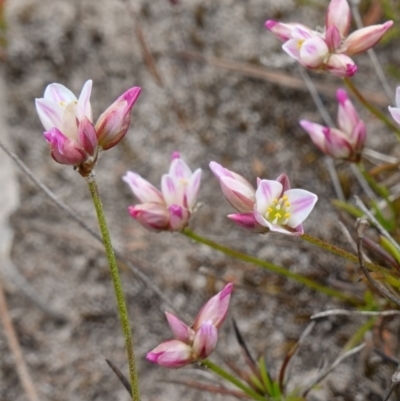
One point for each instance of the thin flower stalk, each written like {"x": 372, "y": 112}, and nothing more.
{"x": 122, "y": 309}
{"x": 371, "y": 108}
{"x": 232, "y": 379}
{"x": 278, "y": 269}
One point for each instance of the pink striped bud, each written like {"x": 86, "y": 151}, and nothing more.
{"x": 194, "y": 343}
{"x": 237, "y": 190}
{"x": 113, "y": 124}
{"x": 171, "y": 208}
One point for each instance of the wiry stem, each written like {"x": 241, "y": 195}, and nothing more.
{"x": 227, "y": 376}
{"x": 122, "y": 309}
{"x": 272, "y": 267}
{"x": 372, "y": 109}
{"x": 340, "y": 252}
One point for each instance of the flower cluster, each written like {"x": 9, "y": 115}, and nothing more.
{"x": 273, "y": 206}
{"x": 348, "y": 141}
{"x": 193, "y": 343}
{"x": 170, "y": 208}
{"x": 328, "y": 50}
{"x": 68, "y": 122}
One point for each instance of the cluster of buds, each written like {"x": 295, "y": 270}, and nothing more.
{"x": 348, "y": 141}
{"x": 273, "y": 206}
{"x": 69, "y": 128}
{"x": 169, "y": 209}
{"x": 195, "y": 343}
{"x": 328, "y": 50}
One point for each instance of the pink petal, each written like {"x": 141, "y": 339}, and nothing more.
{"x": 339, "y": 15}
{"x": 179, "y": 217}
{"x": 365, "y": 38}
{"x": 221, "y": 172}
{"x": 284, "y": 180}
{"x": 358, "y": 136}
{"x": 341, "y": 66}
{"x": 114, "y": 122}
{"x": 142, "y": 189}
{"x": 173, "y": 193}
{"x": 87, "y": 137}
{"x": 63, "y": 149}
{"x": 301, "y": 204}
{"x": 152, "y": 216}
{"x": 181, "y": 331}
{"x": 239, "y": 195}
{"x": 347, "y": 117}
{"x": 247, "y": 221}
{"x": 205, "y": 340}
{"x": 332, "y": 38}
{"x": 179, "y": 169}
{"x": 280, "y": 30}
{"x": 216, "y": 309}
{"x": 316, "y": 132}
{"x": 337, "y": 144}
{"x": 171, "y": 354}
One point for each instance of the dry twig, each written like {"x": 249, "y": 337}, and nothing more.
{"x": 15, "y": 348}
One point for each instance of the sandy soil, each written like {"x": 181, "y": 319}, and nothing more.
{"x": 207, "y": 113}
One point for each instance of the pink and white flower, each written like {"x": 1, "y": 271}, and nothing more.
{"x": 68, "y": 123}
{"x": 113, "y": 124}
{"x": 348, "y": 141}
{"x": 328, "y": 50}
{"x": 258, "y": 211}
{"x": 282, "y": 209}
{"x": 197, "y": 342}
{"x": 168, "y": 209}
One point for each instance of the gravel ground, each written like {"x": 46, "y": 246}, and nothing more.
{"x": 207, "y": 113}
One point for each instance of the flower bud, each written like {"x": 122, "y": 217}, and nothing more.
{"x": 113, "y": 124}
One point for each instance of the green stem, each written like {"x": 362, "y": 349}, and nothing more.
{"x": 372, "y": 109}
{"x": 227, "y": 376}
{"x": 122, "y": 309}
{"x": 341, "y": 252}
{"x": 274, "y": 268}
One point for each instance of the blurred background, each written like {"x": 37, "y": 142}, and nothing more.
{"x": 215, "y": 86}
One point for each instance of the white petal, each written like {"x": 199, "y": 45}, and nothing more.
{"x": 84, "y": 106}
{"x": 192, "y": 189}
{"x": 301, "y": 204}
{"x": 51, "y": 114}
{"x": 142, "y": 189}
{"x": 173, "y": 193}
{"x": 59, "y": 93}
{"x": 180, "y": 170}
{"x": 266, "y": 192}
